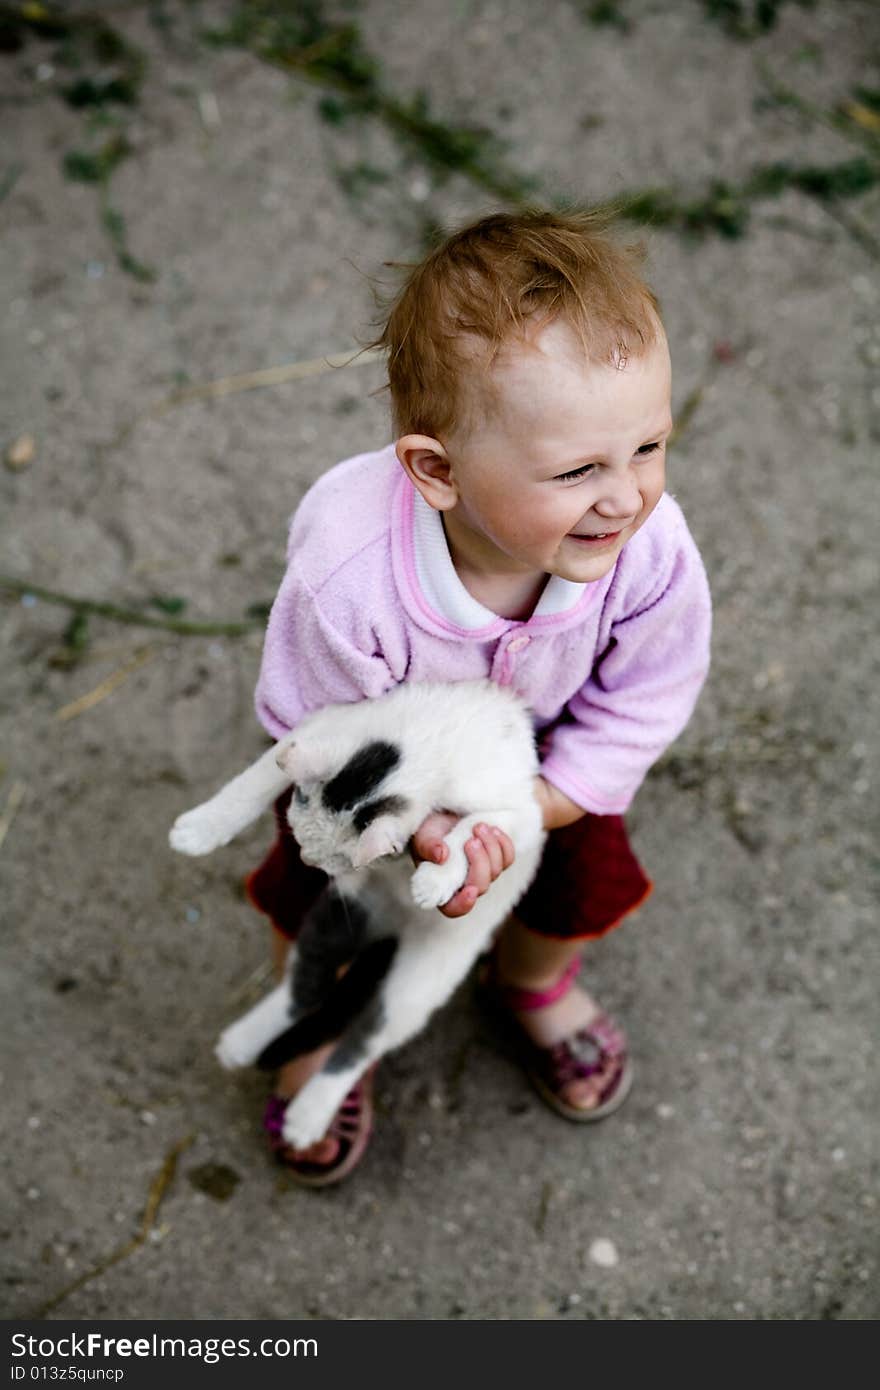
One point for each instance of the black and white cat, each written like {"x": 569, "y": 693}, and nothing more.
{"x": 364, "y": 777}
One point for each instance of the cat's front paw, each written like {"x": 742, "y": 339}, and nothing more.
{"x": 234, "y": 1050}
{"x": 197, "y": 832}
{"x": 432, "y": 885}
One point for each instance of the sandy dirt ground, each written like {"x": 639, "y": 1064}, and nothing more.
{"x": 221, "y": 210}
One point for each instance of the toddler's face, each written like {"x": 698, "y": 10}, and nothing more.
{"x": 568, "y": 465}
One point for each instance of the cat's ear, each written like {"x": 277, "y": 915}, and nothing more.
{"x": 385, "y": 835}
{"x": 304, "y": 760}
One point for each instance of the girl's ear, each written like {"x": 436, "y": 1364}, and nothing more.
{"x": 307, "y": 760}
{"x": 427, "y": 465}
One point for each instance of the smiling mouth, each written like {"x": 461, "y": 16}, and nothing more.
{"x": 603, "y": 538}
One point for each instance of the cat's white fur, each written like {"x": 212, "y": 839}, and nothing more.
{"x": 466, "y": 747}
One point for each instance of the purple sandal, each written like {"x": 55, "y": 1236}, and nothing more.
{"x": 351, "y": 1129}
{"x": 599, "y": 1048}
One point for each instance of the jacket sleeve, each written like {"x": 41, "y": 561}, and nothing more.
{"x": 312, "y": 657}
{"x": 641, "y": 691}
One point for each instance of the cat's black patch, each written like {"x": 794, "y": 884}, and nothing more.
{"x": 353, "y": 1044}
{"x": 361, "y": 776}
{"x": 332, "y": 933}
{"x": 351, "y": 1001}
{"x": 382, "y": 806}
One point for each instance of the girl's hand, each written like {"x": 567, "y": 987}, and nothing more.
{"x": 489, "y": 852}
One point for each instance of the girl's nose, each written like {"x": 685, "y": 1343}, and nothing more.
{"x": 620, "y": 497}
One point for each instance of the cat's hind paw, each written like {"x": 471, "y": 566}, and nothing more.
{"x": 305, "y": 1122}
{"x": 432, "y": 885}
{"x": 196, "y": 832}
{"x": 233, "y": 1050}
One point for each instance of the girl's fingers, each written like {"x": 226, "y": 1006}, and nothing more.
{"x": 427, "y": 842}
{"x": 461, "y": 903}
{"x": 499, "y": 847}
{"x": 493, "y": 848}
{"x": 480, "y": 871}
{"x": 508, "y": 852}
{"x": 489, "y": 852}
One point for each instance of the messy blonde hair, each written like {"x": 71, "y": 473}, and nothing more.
{"x": 496, "y": 281}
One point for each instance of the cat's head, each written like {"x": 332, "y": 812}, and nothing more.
{"x": 341, "y": 813}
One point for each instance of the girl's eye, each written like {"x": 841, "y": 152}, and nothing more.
{"x": 576, "y": 473}
{"x": 588, "y": 468}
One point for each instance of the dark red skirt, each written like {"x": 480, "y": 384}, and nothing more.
{"x": 588, "y": 881}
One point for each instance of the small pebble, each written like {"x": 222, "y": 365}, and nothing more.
{"x": 21, "y": 451}
{"x": 603, "y": 1252}
{"x": 192, "y": 914}
{"x": 209, "y": 111}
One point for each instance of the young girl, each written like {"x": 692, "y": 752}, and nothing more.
{"x": 517, "y": 529}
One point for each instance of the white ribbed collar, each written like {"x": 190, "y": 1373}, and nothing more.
{"x": 445, "y": 592}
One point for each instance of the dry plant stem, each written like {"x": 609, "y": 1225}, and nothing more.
{"x": 158, "y": 1188}
{"x": 106, "y": 687}
{"x": 686, "y": 413}
{"x": 787, "y": 96}
{"x": 13, "y": 801}
{"x": 269, "y": 376}
{"x": 243, "y": 381}
{"x": 128, "y": 615}
{"x": 867, "y": 239}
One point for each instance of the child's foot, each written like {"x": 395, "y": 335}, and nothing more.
{"x": 576, "y": 1056}
{"x": 334, "y": 1156}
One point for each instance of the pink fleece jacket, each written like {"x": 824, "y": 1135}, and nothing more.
{"x": 611, "y": 670}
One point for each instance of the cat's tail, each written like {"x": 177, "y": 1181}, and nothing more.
{"x": 348, "y": 998}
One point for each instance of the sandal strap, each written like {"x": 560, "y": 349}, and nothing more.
{"x": 594, "y": 1048}
{"x": 527, "y": 1000}
{"x": 273, "y": 1116}
{"x": 347, "y": 1120}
